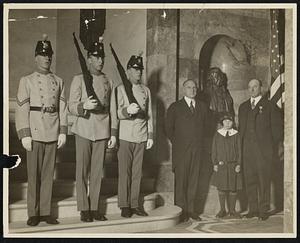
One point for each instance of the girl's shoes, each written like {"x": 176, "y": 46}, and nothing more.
{"x": 221, "y": 214}
{"x": 234, "y": 215}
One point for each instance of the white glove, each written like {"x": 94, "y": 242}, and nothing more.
{"x": 62, "y": 138}
{"x": 27, "y": 143}
{"x": 112, "y": 142}
{"x": 215, "y": 168}
{"x": 90, "y": 104}
{"x": 133, "y": 108}
{"x": 149, "y": 143}
{"x": 237, "y": 169}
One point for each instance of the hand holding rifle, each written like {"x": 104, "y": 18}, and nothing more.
{"x": 90, "y": 103}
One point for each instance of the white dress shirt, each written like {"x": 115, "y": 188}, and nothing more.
{"x": 256, "y": 100}
{"x": 189, "y": 100}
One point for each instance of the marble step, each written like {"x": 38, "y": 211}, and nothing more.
{"x": 160, "y": 218}
{"x": 66, "y": 188}
{"x": 67, "y": 207}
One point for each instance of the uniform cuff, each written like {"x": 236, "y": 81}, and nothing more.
{"x": 125, "y": 112}
{"x": 24, "y": 132}
{"x": 80, "y": 109}
{"x": 150, "y": 135}
{"x": 63, "y": 130}
{"x": 113, "y": 132}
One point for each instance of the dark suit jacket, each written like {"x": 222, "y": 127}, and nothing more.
{"x": 186, "y": 129}
{"x": 268, "y": 125}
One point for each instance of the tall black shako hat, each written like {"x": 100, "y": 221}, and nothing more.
{"x": 136, "y": 61}
{"x": 97, "y": 48}
{"x": 43, "y": 47}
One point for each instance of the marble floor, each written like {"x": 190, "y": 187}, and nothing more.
{"x": 210, "y": 224}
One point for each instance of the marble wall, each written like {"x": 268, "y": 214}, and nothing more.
{"x": 251, "y": 27}
{"x": 161, "y": 79}
{"x": 25, "y": 28}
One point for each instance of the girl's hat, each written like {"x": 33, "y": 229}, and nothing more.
{"x": 226, "y": 117}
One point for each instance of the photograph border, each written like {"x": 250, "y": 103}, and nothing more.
{"x": 289, "y": 121}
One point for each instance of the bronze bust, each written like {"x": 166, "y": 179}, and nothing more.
{"x": 219, "y": 98}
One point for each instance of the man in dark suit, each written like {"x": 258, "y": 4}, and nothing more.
{"x": 185, "y": 127}
{"x": 261, "y": 130}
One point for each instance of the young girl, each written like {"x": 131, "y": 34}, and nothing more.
{"x": 226, "y": 158}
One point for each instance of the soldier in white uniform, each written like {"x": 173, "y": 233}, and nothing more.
{"x": 41, "y": 123}
{"x": 95, "y": 127}
{"x": 135, "y": 135}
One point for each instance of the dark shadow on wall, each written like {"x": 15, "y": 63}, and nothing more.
{"x": 161, "y": 150}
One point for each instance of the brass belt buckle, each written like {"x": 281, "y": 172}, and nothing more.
{"x": 51, "y": 109}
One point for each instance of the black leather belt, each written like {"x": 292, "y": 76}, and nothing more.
{"x": 49, "y": 109}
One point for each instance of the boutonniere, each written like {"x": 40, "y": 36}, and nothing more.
{"x": 260, "y": 109}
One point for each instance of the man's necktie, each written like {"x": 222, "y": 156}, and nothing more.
{"x": 192, "y": 108}
{"x": 227, "y": 134}
{"x": 253, "y": 104}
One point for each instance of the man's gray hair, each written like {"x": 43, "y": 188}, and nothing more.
{"x": 189, "y": 79}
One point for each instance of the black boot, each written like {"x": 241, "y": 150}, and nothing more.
{"x": 232, "y": 203}
{"x": 222, "y": 197}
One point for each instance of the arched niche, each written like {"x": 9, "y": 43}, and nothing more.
{"x": 233, "y": 58}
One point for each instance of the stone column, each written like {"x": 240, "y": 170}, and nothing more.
{"x": 161, "y": 79}
{"x": 289, "y": 130}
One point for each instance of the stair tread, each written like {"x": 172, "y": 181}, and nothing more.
{"x": 160, "y": 213}
{"x": 72, "y": 200}
{"x": 69, "y": 181}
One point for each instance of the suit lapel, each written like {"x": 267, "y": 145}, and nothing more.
{"x": 260, "y": 103}
{"x": 244, "y": 116}
{"x": 197, "y": 108}
{"x": 185, "y": 107}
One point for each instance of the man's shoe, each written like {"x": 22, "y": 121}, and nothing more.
{"x": 195, "y": 216}
{"x": 221, "y": 214}
{"x": 125, "y": 212}
{"x": 184, "y": 217}
{"x": 33, "y": 221}
{"x": 50, "y": 220}
{"x": 98, "y": 216}
{"x": 85, "y": 216}
{"x": 250, "y": 215}
{"x": 138, "y": 212}
{"x": 234, "y": 215}
{"x": 263, "y": 216}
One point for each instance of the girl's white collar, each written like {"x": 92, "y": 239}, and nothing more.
{"x": 231, "y": 131}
